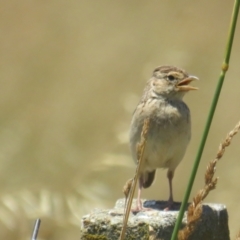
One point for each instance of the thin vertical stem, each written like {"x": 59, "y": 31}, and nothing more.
{"x": 210, "y": 117}
{"x": 35, "y": 229}
{"x": 140, "y": 155}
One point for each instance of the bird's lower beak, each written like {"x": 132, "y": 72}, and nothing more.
{"x": 183, "y": 85}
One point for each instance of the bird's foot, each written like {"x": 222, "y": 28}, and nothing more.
{"x": 169, "y": 206}
{"x": 139, "y": 207}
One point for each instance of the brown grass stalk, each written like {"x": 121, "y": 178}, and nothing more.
{"x": 130, "y": 186}
{"x": 195, "y": 208}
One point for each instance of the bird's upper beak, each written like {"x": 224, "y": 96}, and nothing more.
{"x": 183, "y": 85}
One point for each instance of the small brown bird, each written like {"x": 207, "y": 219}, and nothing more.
{"x": 170, "y": 125}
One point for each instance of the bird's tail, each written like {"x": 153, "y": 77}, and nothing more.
{"x": 148, "y": 178}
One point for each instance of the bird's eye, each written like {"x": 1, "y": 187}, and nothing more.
{"x": 171, "y": 77}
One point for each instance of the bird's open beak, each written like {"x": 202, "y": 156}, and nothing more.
{"x": 183, "y": 85}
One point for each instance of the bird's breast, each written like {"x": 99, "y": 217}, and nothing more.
{"x": 168, "y": 135}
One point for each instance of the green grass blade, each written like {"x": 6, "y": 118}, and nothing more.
{"x": 210, "y": 117}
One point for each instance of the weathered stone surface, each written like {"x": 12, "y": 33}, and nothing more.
{"x": 153, "y": 224}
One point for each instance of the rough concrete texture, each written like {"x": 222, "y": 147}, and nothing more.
{"x": 153, "y": 224}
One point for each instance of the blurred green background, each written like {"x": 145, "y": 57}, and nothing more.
{"x": 71, "y": 75}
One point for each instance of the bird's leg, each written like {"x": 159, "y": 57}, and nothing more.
{"x": 170, "y": 175}
{"x": 140, "y": 187}
{"x": 139, "y": 206}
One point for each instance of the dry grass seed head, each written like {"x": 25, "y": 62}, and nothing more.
{"x": 127, "y": 187}
{"x": 141, "y": 144}
{"x": 195, "y": 208}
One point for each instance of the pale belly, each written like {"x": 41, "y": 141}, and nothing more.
{"x": 165, "y": 148}
{"x": 167, "y": 137}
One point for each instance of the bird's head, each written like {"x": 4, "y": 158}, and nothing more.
{"x": 171, "y": 82}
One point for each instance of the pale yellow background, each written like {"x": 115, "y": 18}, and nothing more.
{"x": 71, "y": 74}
